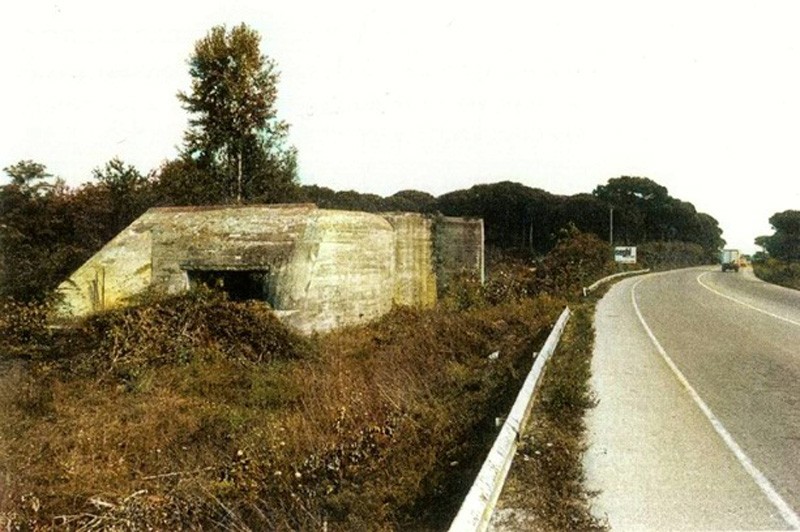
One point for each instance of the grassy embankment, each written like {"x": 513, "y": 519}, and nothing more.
{"x": 196, "y": 412}
{"x": 545, "y": 490}
{"x": 778, "y": 272}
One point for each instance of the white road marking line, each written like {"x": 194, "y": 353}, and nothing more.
{"x": 739, "y": 301}
{"x": 791, "y": 518}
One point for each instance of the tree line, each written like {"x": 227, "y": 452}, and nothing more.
{"x": 48, "y": 229}
{"x": 235, "y": 150}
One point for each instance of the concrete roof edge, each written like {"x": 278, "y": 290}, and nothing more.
{"x": 201, "y": 208}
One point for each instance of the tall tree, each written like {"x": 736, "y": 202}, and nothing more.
{"x": 234, "y": 130}
{"x": 784, "y": 244}
{"x": 511, "y": 212}
{"x": 636, "y": 202}
{"x": 28, "y": 175}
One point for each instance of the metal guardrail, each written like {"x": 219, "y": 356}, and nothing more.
{"x": 589, "y": 289}
{"x": 478, "y": 506}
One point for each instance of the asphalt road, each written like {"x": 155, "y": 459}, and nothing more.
{"x": 697, "y": 373}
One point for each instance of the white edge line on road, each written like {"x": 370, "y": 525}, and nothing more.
{"x": 739, "y": 301}
{"x": 763, "y": 483}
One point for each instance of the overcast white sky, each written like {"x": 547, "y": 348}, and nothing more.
{"x": 702, "y": 96}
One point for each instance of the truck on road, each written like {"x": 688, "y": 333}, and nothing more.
{"x": 729, "y": 259}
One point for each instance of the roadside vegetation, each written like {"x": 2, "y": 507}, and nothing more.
{"x": 545, "y": 490}
{"x": 778, "y": 272}
{"x": 195, "y": 412}
{"x": 780, "y": 262}
{"x": 660, "y": 256}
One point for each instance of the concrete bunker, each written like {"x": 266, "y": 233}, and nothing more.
{"x": 317, "y": 268}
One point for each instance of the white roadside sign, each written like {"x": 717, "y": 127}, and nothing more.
{"x": 625, "y": 254}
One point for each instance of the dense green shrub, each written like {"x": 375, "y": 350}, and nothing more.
{"x": 671, "y": 255}
{"x": 577, "y": 260}
{"x": 175, "y": 329}
{"x": 778, "y": 272}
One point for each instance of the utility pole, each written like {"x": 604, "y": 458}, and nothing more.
{"x": 239, "y": 177}
{"x": 611, "y": 226}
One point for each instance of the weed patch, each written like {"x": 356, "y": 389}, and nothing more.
{"x": 197, "y": 412}
{"x": 544, "y": 490}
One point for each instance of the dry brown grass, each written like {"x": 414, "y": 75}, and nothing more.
{"x": 545, "y": 488}
{"x": 196, "y": 412}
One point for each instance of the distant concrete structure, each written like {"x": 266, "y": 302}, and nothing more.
{"x": 318, "y": 269}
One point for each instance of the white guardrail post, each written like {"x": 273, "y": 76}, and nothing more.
{"x": 478, "y": 506}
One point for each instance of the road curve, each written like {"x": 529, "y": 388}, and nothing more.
{"x": 697, "y": 374}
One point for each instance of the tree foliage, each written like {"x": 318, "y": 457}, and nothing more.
{"x": 235, "y": 137}
{"x": 128, "y": 191}
{"x": 784, "y": 243}
{"x": 24, "y": 173}
{"x": 511, "y": 211}
{"x": 411, "y": 201}
{"x": 528, "y": 220}
{"x": 47, "y": 229}
{"x": 645, "y": 212}
{"x": 33, "y": 225}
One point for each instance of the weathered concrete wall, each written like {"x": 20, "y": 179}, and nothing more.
{"x": 223, "y": 238}
{"x": 458, "y": 248}
{"x": 341, "y": 272}
{"x": 121, "y": 269}
{"x": 319, "y": 269}
{"x": 414, "y": 275}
